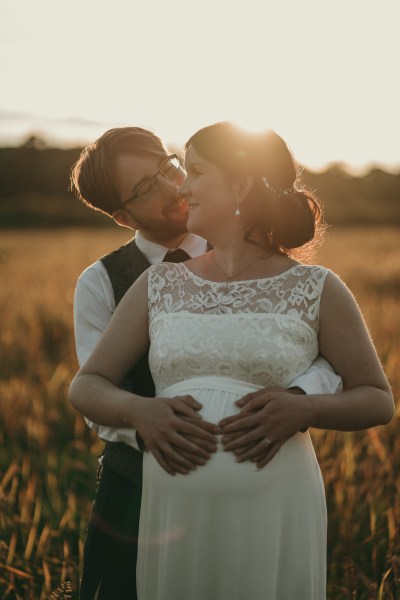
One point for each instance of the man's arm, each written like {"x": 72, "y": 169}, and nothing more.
{"x": 171, "y": 428}
{"x": 94, "y": 305}
{"x": 319, "y": 379}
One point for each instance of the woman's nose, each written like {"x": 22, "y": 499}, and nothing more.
{"x": 184, "y": 188}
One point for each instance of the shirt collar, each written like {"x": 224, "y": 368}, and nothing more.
{"x": 193, "y": 244}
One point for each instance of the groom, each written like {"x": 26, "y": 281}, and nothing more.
{"x": 129, "y": 175}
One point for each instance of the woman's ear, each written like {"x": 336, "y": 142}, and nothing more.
{"x": 242, "y": 187}
{"x": 125, "y": 219}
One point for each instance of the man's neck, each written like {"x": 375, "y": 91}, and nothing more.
{"x": 173, "y": 242}
{"x": 155, "y": 252}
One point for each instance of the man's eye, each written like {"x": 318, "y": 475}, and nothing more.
{"x": 168, "y": 170}
{"x": 147, "y": 187}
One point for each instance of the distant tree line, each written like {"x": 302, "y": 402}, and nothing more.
{"x": 34, "y": 182}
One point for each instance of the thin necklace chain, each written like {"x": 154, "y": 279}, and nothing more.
{"x": 230, "y": 277}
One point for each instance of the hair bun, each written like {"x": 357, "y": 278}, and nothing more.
{"x": 295, "y": 217}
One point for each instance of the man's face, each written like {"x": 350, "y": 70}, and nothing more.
{"x": 162, "y": 217}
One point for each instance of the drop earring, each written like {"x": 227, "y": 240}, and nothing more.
{"x": 237, "y": 211}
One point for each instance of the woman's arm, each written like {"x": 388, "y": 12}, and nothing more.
{"x": 122, "y": 344}
{"x": 169, "y": 427}
{"x": 366, "y": 400}
{"x": 345, "y": 342}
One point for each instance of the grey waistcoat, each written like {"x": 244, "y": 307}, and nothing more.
{"x": 123, "y": 267}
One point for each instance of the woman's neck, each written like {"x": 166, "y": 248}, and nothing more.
{"x": 235, "y": 257}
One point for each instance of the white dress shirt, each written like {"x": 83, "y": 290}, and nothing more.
{"x": 94, "y": 305}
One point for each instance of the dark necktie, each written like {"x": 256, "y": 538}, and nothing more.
{"x": 176, "y": 256}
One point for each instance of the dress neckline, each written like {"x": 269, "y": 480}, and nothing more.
{"x": 241, "y": 281}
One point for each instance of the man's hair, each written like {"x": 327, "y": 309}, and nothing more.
{"x": 93, "y": 175}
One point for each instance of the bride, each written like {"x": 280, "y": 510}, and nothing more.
{"x": 251, "y": 522}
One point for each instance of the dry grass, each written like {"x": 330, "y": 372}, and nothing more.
{"x": 48, "y": 457}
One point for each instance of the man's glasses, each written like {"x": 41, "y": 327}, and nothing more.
{"x": 169, "y": 170}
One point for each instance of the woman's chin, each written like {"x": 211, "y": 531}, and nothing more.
{"x": 193, "y": 223}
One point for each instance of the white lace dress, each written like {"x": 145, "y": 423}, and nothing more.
{"x": 228, "y": 531}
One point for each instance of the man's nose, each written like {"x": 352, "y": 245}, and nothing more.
{"x": 170, "y": 188}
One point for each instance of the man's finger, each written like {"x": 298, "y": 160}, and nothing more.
{"x": 210, "y": 447}
{"x": 173, "y": 453}
{"x": 199, "y": 422}
{"x": 162, "y": 462}
{"x": 190, "y": 429}
{"x": 184, "y": 442}
{"x": 195, "y": 459}
{"x": 172, "y": 466}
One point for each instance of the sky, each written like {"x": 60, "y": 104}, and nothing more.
{"x": 323, "y": 74}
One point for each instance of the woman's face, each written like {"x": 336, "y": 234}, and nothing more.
{"x": 209, "y": 192}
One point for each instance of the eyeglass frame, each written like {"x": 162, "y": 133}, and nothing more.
{"x": 153, "y": 177}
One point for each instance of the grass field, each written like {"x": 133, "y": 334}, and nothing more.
{"x": 48, "y": 457}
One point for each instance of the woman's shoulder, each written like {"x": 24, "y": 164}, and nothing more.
{"x": 164, "y": 275}
{"x": 308, "y": 271}
{"x": 163, "y": 268}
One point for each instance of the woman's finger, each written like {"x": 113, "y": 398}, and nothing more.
{"x": 246, "y": 399}
{"x": 246, "y": 422}
{"x": 272, "y": 452}
{"x": 185, "y": 405}
{"x": 256, "y": 451}
{"x": 240, "y": 443}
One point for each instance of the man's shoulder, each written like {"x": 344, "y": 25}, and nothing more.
{"x": 123, "y": 267}
{"x": 127, "y": 260}
{"x": 129, "y": 249}
{"x": 121, "y": 257}
{"x": 93, "y": 278}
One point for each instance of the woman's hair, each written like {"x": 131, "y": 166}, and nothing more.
{"x": 277, "y": 205}
{"x": 92, "y": 176}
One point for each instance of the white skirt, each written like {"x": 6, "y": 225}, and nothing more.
{"x": 229, "y": 531}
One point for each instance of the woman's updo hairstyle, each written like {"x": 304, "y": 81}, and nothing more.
{"x": 277, "y": 204}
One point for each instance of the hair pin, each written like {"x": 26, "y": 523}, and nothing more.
{"x": 275, "y": 191}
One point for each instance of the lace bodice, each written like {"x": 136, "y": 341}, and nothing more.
{"x": 261, "y": 331}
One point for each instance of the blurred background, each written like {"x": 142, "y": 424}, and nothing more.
{"x": 324, "y": 75}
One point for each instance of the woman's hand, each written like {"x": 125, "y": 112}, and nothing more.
{"x": 175, "y": 433}
{"x": 268, "y": 418}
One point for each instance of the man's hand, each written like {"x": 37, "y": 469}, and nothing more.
{"x": 176, "y": 434}
{"x": 268, "y": 418}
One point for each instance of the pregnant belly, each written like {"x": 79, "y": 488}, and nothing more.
{"x": 217, "y": 395}
{"x": 294, "y": 465}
